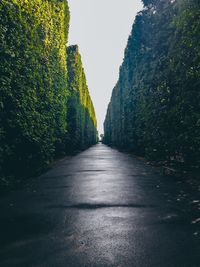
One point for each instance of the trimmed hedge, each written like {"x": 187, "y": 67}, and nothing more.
{"x": 34, "y": 90}
{"x": 82, "y": 129}
{"x": 154, "y": 110}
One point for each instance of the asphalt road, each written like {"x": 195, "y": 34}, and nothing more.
{"x": 101, "y": 208}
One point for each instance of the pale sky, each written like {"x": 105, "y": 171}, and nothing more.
{"x": 101, "y": 28}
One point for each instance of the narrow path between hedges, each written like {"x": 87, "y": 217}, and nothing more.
{"x": 101, "y": 207}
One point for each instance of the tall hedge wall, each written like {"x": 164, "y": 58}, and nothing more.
{"x": 154, "y": 109}
{"x": 34, "y": 85}
{"x": 82, "y": 129}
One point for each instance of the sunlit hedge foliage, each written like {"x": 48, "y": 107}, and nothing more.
{"x": 33, "y": 83}
{"x": 82, "y": 129}
{"x": 155, "y": 106}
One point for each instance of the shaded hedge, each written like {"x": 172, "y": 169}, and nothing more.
{"x": 154, "y": 109}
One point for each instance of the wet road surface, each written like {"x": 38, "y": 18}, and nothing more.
{"x": 101, "y": 208}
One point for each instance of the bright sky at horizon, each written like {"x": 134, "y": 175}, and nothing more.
{"x": 101, "y": 28}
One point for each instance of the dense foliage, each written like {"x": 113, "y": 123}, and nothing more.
{"x": 82, "y": 128}
{"x": 155, "y": 105}
{"x": 33, "y": 84}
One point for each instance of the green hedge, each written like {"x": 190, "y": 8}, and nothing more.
{"x": 154, "y": 109}
{"x": 34, "y": 85}
{"x": 82, "y": 128}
